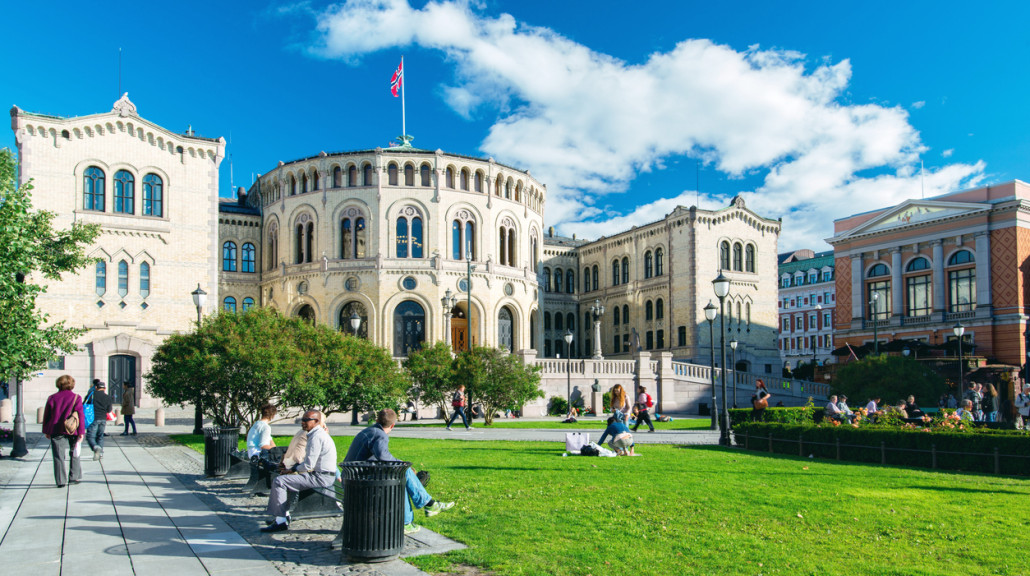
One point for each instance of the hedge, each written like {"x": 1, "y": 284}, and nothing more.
{"x": 963, "y": 451}
{"x": 791, "y": 415}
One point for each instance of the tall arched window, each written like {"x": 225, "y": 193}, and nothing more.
{"x": 144, "y": 279}
{"x": 617, "y": 316}
{"x": 101, "y": 277}
{"x": 738, "y": 257}
{"x": 229, "y": 304}
{"x": 547, "y": 320}
{"x": 593, "y": 278}
{"x": 470, "y": 240}
{"x": 659, "y": 262}
{"x": 249, "y": 255}
{"x": 449, "y": 177}
{"x": 463, "y": 240}
{"x": 346, "y": 239}
{"x": 273, "y": 247}
{"x": 506, "y": 237}
{"x": 547, "y": 279}
{"x": 570, "y": 281}
{"x": 93, "y": 189}
{"x": 402, "y": 237}
{"x": 559, "y": 322}
{"x": 625, "y": 313}
{"x": 507, "y": 189}
{"x": 479, "y": 182}
{"x": 409, "y": 236}
{"x": 961, "y": 282}
{"x": 360, "y": 238}
{"x": 456, "y": 244}
{"x": 123, "y": 278}
{"x": 749, "y": 258}
{"x": 409, "y": 328}
{"x": 918, "y": 288}
{"x": 229, "y": 256}
{"x": 648, "y": 311}
{"x": 416, "y": 237}
{"x": 424, "y": 176}
{"x": 648, "y": 264}
{"x": 464, "y": 180}
{"x": 724, "y": 255}
{"x": 586, "y": 279}
{"x": 124, "y": 192}
{"x": 557, "y": 280}
{"x": 366, "y": 176}
{"x": 304, "y": 239}
{"x": 409, "y": 175}
{"x": 391, "y": 174}
{"x": 352, "y": 235}
{"x": 615, "y": 272}
{"x": 625, "y": 270}
{"x": 352, "y": 175}
{"x": 878, "y": 292}
{"x": 153, "y": 195}
{"x": 348, "y": 310}
{"x": 303, "y": 183}
{"x": 659, "y": 309}
{"x": 293, "y": 185}
{"x": 316, "y": 178}
{"x": 248, "y": 303}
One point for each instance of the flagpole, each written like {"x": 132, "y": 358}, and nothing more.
{"x": 404, "y": 127}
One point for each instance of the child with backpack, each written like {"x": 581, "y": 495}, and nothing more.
{"x": 644, "y": 403}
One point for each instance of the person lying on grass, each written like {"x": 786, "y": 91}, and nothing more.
{"x": 622, "y": 440}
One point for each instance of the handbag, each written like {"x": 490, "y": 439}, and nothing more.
{"x": 575, "y": 441}
{"x": 71, "y": 423}
{"x": 87, "y": 409}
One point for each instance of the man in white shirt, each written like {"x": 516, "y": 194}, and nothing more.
{"x": 260, "y": 435}
{"x": 833, "y": 412}
{"x": 318, "y": 470}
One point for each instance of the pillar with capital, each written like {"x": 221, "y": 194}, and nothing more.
{"x": 596, "y": 312}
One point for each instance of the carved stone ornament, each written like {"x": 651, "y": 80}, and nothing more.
{"x": 302, "y": 287}
{"x": 124, "y": 107}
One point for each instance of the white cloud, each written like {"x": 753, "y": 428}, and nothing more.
{"x": 919, "y": 104}
{"x": 587, "y": 123}
{"x": 947, "y": 153}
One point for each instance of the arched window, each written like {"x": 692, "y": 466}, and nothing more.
{"x": 229, "y": 304}
{"x": 724, "y": 255}
{"x": 409, "y": 328}
{"x": 586, "y": 279}
{"x": 625, "y": 270}
{"x": 570, "y": 281}
{"x": 93, "y": 189}
{"x": 144, "y": 279}
{"x": 479, "y": 182}
{"x": 918, "y": 264}
{"x": 424, "y": 176}
{"x": 749, "y": 258}
{"x": 352, "y": 235}
{"x": 416, "y": 237}
{"x": 615, "y": 272}
{"x": 918, "y": 288}
{"x": 346, "y": 239}
{"x": 649, "y": 311}
{"x": 360, "y": 238}
{"x": 153, "y": 196}
{"x": 559, "y": 322}
{"x": 303, "y": 183}
{"x": 617, "y": 316}
{"x": 878, "y": 292}
{"x": 879, "y": 270}
{"x": 534, "y": 250}
{"x": 449, "y": 177}
{"x": 293, "y": 185}
{"x": 409, "y": 175}
{"x": 366, "y": 176}
{"x": 273, "y": 247}
{"x": 307, "y": 313}
{"x": 304, "y": 240}
{"x": 547, "y": 320}
{"x": 511, "y": 246}
{"x": 659, "y": 309}
{"x": 124, "y": 192}
{"x": 123, "y": 278}
{"x": 391, "y": 174}
{"x": 462, "y": 240}
{"x": 402, "y": 237}
{"x": 316, "y": 178}
{"x": 505, "y": 330}
{"x": 659, "y": 262}
{"x": 625, "y": 313}
{"x": 547, "y": 279}
{"x": 593, "y": 278}
{"x": 101, "y": 277}
{"x": 464, "y": 179}
{"x": 352, "y": 176}
{"x": 557, "y": 280}
{"x": 456, "y": 244}
{"x": 409, "y": 237}
{"x": 507, "y": 189}
{"x": 248, "y": 303}
{"x": 249, "y": 256}
{"x": 470, "y": 240}
{"x": 738, "y": 257}
{"x": 229, "y": 256}
{"x": 648, "y": 264}
{"x": 961, "y": 282}
{"x": 498, "y": 185}
{"x": 506, "y": 242}
{"x": 348, "y": 310}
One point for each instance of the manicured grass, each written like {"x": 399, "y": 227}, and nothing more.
{"x": 525, "y": 510}
{"x": 590, "y": 424}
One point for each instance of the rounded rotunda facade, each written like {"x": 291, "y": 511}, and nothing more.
{"x": 389, "y": 236}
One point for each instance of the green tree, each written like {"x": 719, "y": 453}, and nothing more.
{"x": 32, "y": 251}
{"x": 890, "y": 378}
{"x": 432, "y": 375}
{"x": 497, "y": 380}
{"x": 233, "y": 364}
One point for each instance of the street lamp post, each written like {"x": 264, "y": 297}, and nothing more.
{"x": 568, "y": 368}
{"x": 721, "y": 284}
{"x": 959, "y": 330}
{"x": 199, "y": 298}
{"x": 468, "y": 293}
{"x": 875, "y": 315}
{"x": 355, "y": 325}
{"x": 596, "y": 312}
{"x": 710, "y": 312}
{"x": 733, "y": 365}
{"x": 19, "y": 447}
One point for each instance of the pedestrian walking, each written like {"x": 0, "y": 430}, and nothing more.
{"x": 459, "y": 402}
{"x": 129, "y": 407}
{"x": 101, "y": 406}
{"x": 64, "y": 426}
{"x": 644, "y": 403}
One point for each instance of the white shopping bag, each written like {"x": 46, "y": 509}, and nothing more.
{"x": 575, "y": 441}
{"x": 77, "y": 450}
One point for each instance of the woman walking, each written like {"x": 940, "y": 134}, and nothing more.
{"x": 64, "y": 425}
{"x": 759, "y": 401}
{"x": 129, "y": 407}
{"x": 459, "y": 401}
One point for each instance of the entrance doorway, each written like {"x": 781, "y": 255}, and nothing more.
{"x": 121, "y": 369}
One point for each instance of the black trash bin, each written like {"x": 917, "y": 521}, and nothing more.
{"x": 373, "y": 510}
{"x": 702, "y": 409}
{"x": 218, "y": 443}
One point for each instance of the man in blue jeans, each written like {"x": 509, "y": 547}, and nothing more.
{"x": 373, "y": 444}
{"x": 101, "y": 406}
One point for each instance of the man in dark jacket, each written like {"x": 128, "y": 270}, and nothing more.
{"x": 373, "y": 444}
{"x": 101, "y": 406}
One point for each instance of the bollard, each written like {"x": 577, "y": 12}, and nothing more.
{"x": 39, "y": 415}
{"x": 159, "y": 417}
{"x": 6, "y": 413}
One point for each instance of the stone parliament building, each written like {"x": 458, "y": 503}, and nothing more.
{"x": 417, "y": 245}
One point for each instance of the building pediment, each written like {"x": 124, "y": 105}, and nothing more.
{"x": 913, "y": 213}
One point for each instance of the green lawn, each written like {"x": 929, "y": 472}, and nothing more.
{"x": 590, "y": 424}
{"x": 523, "y": 509}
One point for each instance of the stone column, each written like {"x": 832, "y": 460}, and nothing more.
{"x": 857, "y": 294}
{"x": 897, "y": 285}
{"x": 938, "y": 278}
{"x": 597, "y": 340}
{"x": 983, "y": 270}
{"x": 447, "y": 327}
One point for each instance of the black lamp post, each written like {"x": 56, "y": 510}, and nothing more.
{"x": 199, "y": 298}
{"x": 721, "y": 284}
{"x": 568, "y": 368}
{"x": 959, "y": 330}
{"x": 355, "y": 325}
{"x": 710, "y": 312}
{"x": 733, "y": 367}
{"x": 876, "y": 317}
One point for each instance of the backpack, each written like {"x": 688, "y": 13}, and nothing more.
{"x": 650, "y": 402}
{"x": 589, "y": 450}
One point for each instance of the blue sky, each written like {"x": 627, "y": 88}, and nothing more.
{"x": 812, "y": 111}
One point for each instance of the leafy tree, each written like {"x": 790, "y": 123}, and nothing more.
{"x": 233, "y": 364}
{"x": 889, "y": 377}
{"x": 432, "y": 375}
{"x": 30, "y": 249}
{"x": 497, "y": 380}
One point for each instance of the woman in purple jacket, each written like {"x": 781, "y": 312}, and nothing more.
{"x": 59, "y": 407}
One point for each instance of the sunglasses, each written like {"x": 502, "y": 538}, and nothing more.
{"x": 309, "y": 419}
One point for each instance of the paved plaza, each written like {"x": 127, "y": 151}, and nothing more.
{"x": 146, "y": 508}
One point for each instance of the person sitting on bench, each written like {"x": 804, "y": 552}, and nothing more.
{"x": 317, "y": 470}
{"x": 373, "y": 444}
{"x": 259, "y": 438}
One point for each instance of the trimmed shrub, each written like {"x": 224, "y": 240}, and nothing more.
{"x": 558, "y": 406}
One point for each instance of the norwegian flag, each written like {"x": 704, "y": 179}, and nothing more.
{"x": 397, "y": 80}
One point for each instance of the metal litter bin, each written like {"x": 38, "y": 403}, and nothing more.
{"x": 702, "y": 409}
{"x": 373, "y": 510}
{"x": 218, "y": 443}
